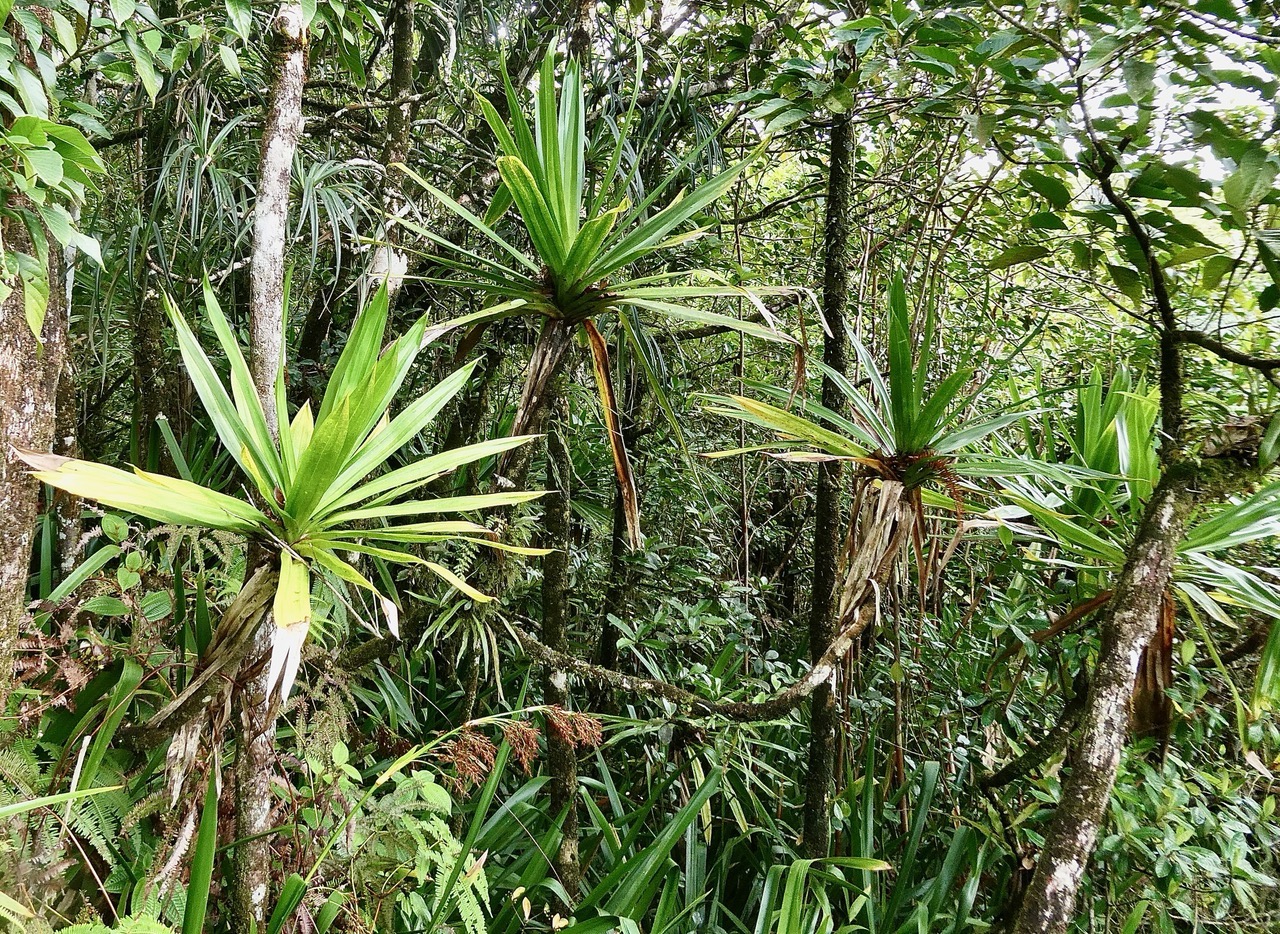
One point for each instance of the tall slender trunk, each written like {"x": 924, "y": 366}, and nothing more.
{"x": 280, "y": 134}
{"x": 30, "y": 370}
{"x": 255, "y": 723}
{"x": 562, "y": 759}
{"x": 826, "y": 538}
{"x": 154, "y": 378}
{"x": 619, "y": 583}
{"x": 1128, "y": 624}
{"x": 67, "y": 508}
{"x": 615, "y": 590}
{"x": 536, "y": 396}
{"x": 581, "y": 29}
{"x": 389, "y": 261}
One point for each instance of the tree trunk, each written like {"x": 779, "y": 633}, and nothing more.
{"x": 280, "y": 134}
{"x": 1127, "y": 625}
{"x": 536, "y": 397}
{"x": 562, "y": 759}
{"x": 155, "y": 379}
{"x": 256, "y": 709}
{"x": 615, "y": 592}
{"x": 826, "y": 538}
{"x": 151, "y": 383}
{"x": 67, "y": 508}
{"x": 619, "y": 584}
{"x": 254, "y": 768}
{"x": 30, "y": 370}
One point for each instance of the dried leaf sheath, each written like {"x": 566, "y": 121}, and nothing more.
{"x": 1151, "y": 713}
{"x": 617, "y": 441}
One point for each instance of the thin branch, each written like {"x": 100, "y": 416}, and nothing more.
{"x": 1055, "y": 740}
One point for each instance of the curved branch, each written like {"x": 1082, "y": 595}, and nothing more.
{"x": 1056, "y": 739}
{"x": 781, "y": 702}
{"x": 1269, "y": 367}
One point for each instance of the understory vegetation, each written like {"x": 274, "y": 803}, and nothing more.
{"x": 736, "y": 468}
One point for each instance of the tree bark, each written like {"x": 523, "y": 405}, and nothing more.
{"x": 255, "y": 706}
{"x": 254, "y": 768}
{"x": 67, "y": 508}
{"x": 30, "y": 370}
{"x": 826, "y": 538}
{"x": 155, "y": 380}
{"x": 1128, "y": 624}
{"x": 536, "y": 396}
{"x": 280, "y": 134}
{"x": 562, "y": 758}
{"x": 619, "y": 583}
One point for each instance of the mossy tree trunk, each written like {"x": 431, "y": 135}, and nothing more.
{"x": 827, "y": 526}
{"x": 1128, "y": 623}
{"x": 562, "y": 759}
{"x": 30, "y": 370}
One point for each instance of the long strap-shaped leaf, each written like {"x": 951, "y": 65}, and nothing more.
{"x": 403, "y": 428}
{"x": 231, "y": 430}
{"x": 163, "y": 499}
{"x": 633, "y": 245}
{"x": 473, "y": 220}
{"x": 248, "y": 405}
{"x": 545, "y": 229}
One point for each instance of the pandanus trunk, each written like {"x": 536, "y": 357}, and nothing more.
{"x": 826, "y": 538}
{"x": 873, "y": 547}
{"x": 1128, "y": 625}
{"x": 256, "y": 712}
{"x": 878, "y": 533}
{"x": 536, "y": 396}
{"x": 562, "y": 759}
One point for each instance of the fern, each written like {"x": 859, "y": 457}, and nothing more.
{"x": 209, "y": 548}
{"x": 406, "y": 837}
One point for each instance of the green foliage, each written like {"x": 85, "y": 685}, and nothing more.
{"x": 571, "y": 275}
{"x": 1112, "y": 440}
{"x": 48, "y": 162}
{"x": 309, "y": 479}
{"x": 904, "y": 428}
{"x": 405, "y": 841}
{"x": 1002, "y": 301}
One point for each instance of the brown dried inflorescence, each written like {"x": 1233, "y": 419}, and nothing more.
{"x": 471, "y": 754}
{"x": 580, "y": 729}
{"x": 522, "y": 737}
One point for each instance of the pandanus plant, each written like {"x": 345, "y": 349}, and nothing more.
{"x": 1090, "y": 516}
{"x": 906, "y": 434}
{"x": 313, "y": 502}
{"x": 584, "y": 234}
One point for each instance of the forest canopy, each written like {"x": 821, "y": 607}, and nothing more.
{"x": 777, "y": 467}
